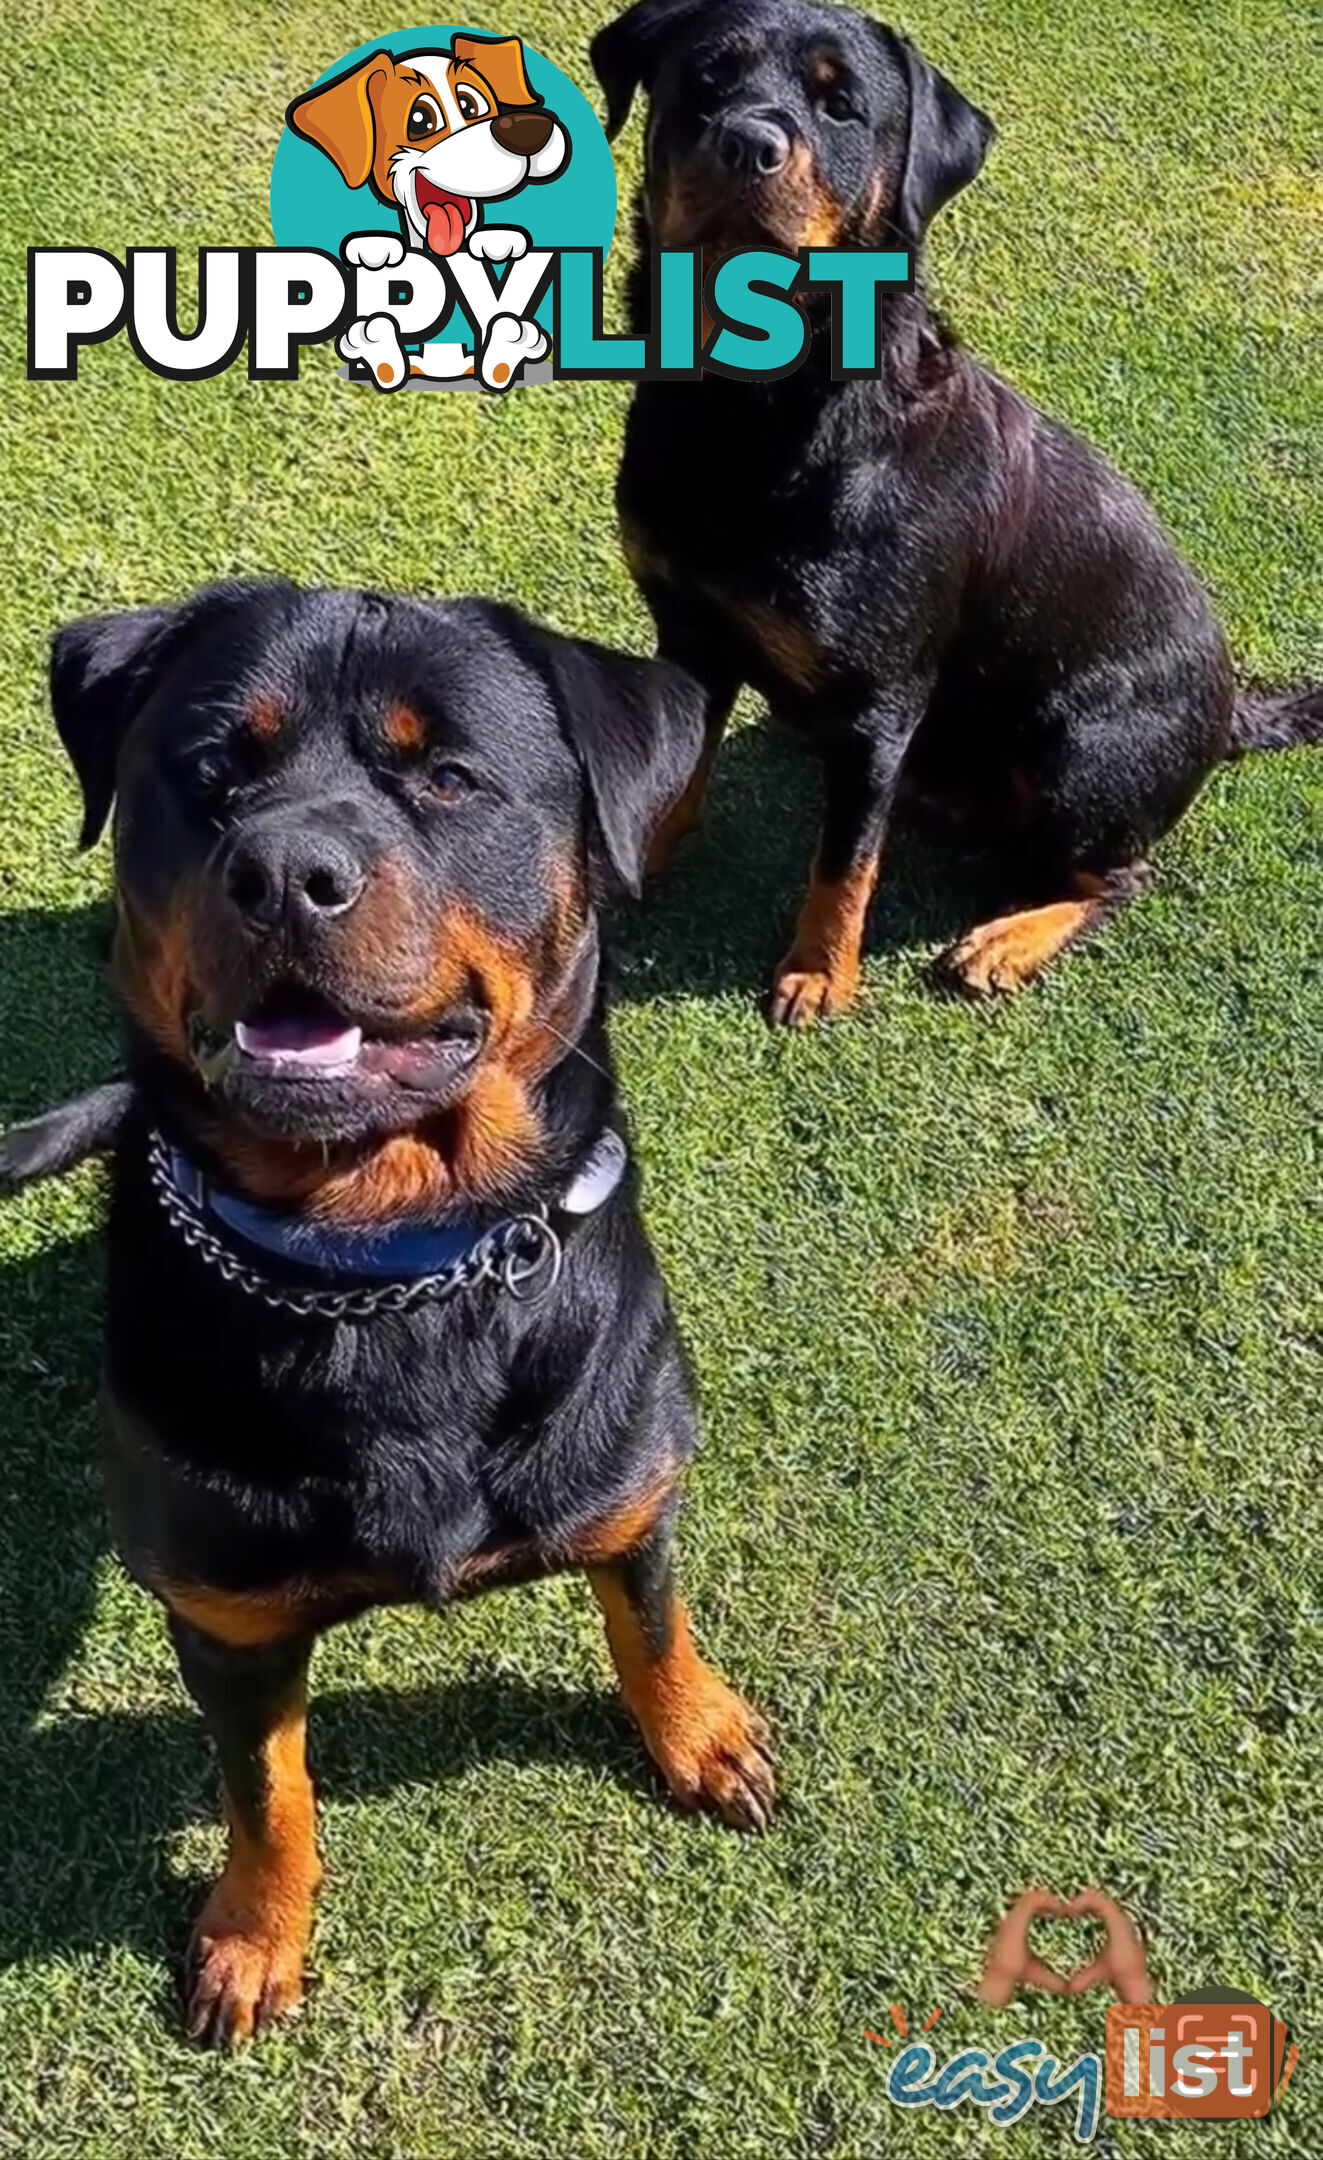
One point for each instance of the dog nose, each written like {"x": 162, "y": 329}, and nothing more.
{"x": 523, "y": 133}
{"x": 308, "y": 875}
{"x": 753, "y": 146}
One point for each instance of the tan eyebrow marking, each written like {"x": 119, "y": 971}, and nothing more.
{"x": 265, "y": 717}
{"x": 403, "y": 728}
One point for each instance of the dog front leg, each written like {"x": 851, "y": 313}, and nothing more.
{"x": 691, "y": 639}
{"x": 60, "y": 1139}
{"x": 820, "y": 973}
{"x": 712, "y": 1749}
{"x": 248, "y": 1949}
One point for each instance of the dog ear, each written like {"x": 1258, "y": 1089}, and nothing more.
{"x": 340, "y": 120}
{"x": 104, "y": 668}
{"x": 101, "y": 670}
{"x": 626, "y": 53}
{"x": 636, "y": 727}
{"x": 500, "y": 62}
{"x": 948, "y": 141}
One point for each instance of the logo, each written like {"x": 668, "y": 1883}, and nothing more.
{"x": 1005, "y": 2085}
{"x": 445, "y": 170}
{"x": 1218, "y": 2056}
{"x": 443, "y": 201}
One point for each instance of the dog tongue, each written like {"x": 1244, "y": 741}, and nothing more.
{"x": 299, "y": 1042}
{"x": 445, "y": 227}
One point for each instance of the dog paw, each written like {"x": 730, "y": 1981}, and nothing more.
{"x": 498, "y": 243}
{"x": 715, "y": 1752}
{"x": 510, "y": 343}
{"x": 985, "y": 964}
{"x": 373, "y": 251}
{"x": 240, "y": 1978}
{"x": 375, "y": 344}
{"x": 804, "y": 993}
{"x": 1006, "y": 954}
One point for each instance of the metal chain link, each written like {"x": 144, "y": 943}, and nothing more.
{"x": 524, "y": 1255}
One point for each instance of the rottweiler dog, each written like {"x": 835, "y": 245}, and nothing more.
{"x": 383, "y": 1322}
{"x": 950, "y": 595}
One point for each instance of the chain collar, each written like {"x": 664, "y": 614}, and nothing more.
{"x": 524, "y": 1255}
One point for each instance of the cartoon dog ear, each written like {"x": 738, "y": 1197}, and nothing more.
{"x": 948, "y": 141}
{"x": 637, "y": 729}
{"x": 500, "y": 62}
{"x": 625, "y": 55}
{"x": 340, "y": 120}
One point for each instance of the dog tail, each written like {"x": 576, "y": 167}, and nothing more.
{"x": 1276, "y": 720}
{"x": 61, "y": 1139}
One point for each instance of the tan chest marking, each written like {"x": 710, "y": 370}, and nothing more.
{"x": 787, "y": 648}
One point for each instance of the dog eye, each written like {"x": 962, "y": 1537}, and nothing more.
{"x": 211, "y": 774}
{"x": 719, "y": 70}
{"x": 450, "y": 783}
{"x": 838, "y": 106}
{"x": 472, "y": 105}
{"x": 424, "y": 118}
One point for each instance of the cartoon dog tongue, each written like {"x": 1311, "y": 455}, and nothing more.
{"x": 445, "y": 225}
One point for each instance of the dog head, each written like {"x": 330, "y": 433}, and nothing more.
{"x": 436, "y": 134}
{"x": 359, "y": 844}
{"x": 781, "y": 123}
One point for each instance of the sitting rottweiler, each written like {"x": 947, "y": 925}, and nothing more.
{"x": 950, "y": 595}
{"x": 383, "y": 1320}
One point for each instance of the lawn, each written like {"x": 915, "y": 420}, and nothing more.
{"x": 1009, "y": 1510}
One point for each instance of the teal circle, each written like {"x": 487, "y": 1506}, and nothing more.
{"x": 312, "y": 207}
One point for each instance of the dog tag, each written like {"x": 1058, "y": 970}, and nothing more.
{"x": 599, "y": 1177}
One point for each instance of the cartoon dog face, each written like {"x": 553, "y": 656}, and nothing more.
{"x": 436, "y": 134}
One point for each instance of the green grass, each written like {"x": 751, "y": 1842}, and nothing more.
{"x": 1009, "y": 1508}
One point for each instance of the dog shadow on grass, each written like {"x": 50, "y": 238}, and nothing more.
{"x": 57, "y": 1036}
{"x": 722, "y": 914}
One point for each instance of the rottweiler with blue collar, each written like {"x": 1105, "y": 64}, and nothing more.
{"x": 953, "y": 598}
{"x": 383, "y": 1321}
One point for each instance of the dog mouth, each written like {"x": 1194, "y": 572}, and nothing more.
{"x": 445, "y": 216}
{"x": 294, "y": 1043}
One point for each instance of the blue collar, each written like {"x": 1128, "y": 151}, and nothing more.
{"x": 394, "y": 1252}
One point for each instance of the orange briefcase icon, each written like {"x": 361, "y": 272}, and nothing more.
{"x": 1215, "y": 2057}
